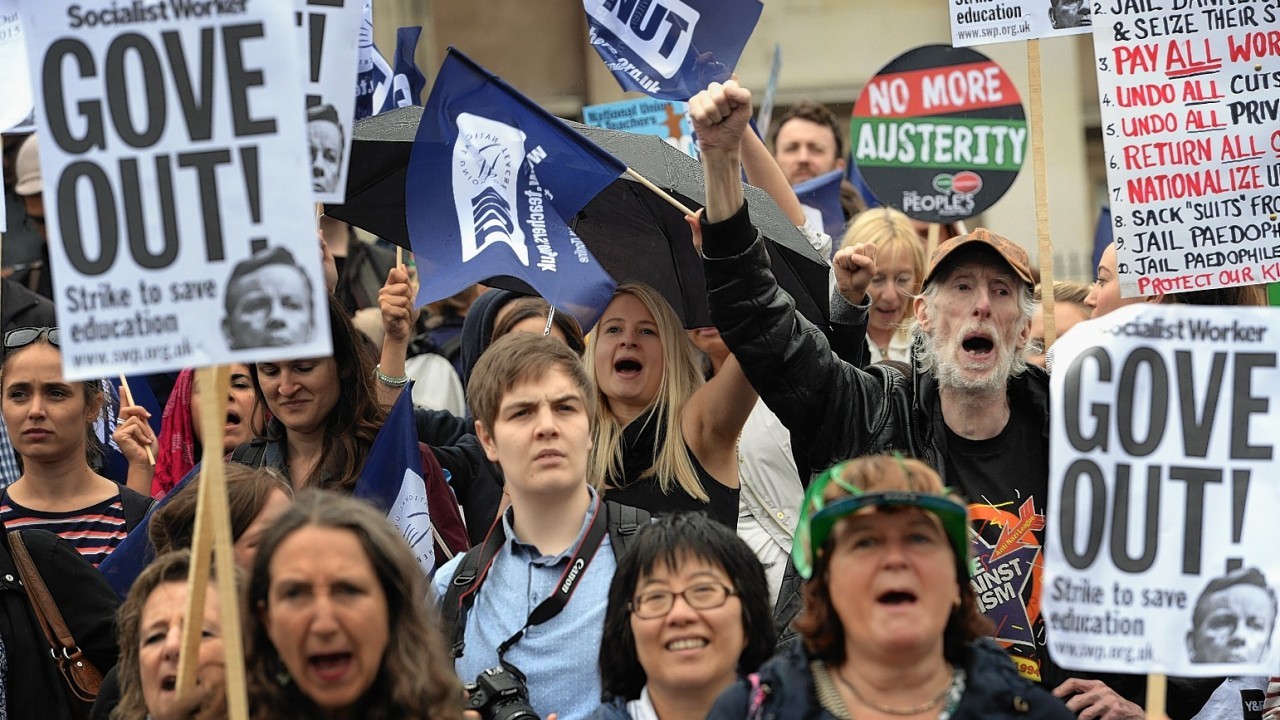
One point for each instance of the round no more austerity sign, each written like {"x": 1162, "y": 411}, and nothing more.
{"x": 939, "y": 133}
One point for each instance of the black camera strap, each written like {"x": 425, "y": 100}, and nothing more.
{"x": 569, "y": 581}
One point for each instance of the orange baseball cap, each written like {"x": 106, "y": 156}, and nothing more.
{"x": 1009, "y": 251}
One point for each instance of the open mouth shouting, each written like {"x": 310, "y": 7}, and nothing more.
{"x": 897, "y": 598}
{"x": 627, "y": 368}
{"x": 978, "y": 346}
{"x": 330, "y": 667}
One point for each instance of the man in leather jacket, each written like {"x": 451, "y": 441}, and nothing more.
{"x": 971, "y": 407}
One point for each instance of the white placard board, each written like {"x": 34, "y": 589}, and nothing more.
{"x": 982, "y": 22}
{"x": 1164, "y": 491}
{"x": 15, "y": 85}
{"x": 173, "y": 154}
{"x": 1190, "y": 101}
{"x": 329, "y": 35}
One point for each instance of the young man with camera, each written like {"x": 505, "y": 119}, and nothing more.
{"x": 524, "y": 611}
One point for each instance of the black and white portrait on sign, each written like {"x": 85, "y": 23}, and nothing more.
{"x": 269, "y": 302}
{"x": 1233, "y": 619}
{"x": 1069, "y": 14}
{"x": 327, "y": 142}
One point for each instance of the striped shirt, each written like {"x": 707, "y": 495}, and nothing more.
{"x": 94, "y": 531}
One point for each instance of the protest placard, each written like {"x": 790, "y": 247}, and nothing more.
{"x": 673, "y": 49}
{"x": 173, "y": 155}
{"x": 329, "y": 30}
{"x": 1160, "y": 555}
{"x": 939, "y": 133}
{"x": 982, "y": 22}
{"x": 666, "y": 119}
{"x": 15, "y": 86}
{"x": 1191, "y": 127}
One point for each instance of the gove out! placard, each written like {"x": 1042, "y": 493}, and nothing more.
{"x": 939, "y": 133}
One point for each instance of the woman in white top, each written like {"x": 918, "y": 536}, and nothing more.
{"x": 900, "y": 265}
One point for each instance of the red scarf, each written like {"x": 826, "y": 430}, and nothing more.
{"x": 177, "y": 439}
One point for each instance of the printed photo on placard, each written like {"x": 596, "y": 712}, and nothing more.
{"x": 329, "y": 33}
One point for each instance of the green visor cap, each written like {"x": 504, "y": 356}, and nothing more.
{"x": 817, "y": 517}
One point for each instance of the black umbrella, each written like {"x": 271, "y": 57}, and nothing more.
{"x": 634, "y": 234}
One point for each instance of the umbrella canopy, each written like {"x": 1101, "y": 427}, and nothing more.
{"x": 634, "y": 234}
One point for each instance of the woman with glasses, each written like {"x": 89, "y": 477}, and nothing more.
{"x": 890, "y": 626}
{"x": 50, "y": 422}
{"x": 688, "y": 614}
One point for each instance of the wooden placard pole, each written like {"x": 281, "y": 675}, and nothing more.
{"x": 212, "y": 543}
{"x": 660, "y": 192}
{"x": 1156, "y": 689}
{"x": 932, "y": 238}
{"x": 128, "y": 400}
{"x": 1035, "y": 103}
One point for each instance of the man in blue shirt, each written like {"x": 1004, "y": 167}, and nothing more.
{"x": 532, "y": 401}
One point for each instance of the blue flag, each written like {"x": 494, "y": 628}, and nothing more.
{"x": 392, "y": 480}
{"x": 135, "y": 552}
{"x": 855, "y": 179}
{"x": 408, "y": 81}
{"x": 379, "y": 88}
{"x": 820, "y": 196}
{"x": 1101, "y": 236}
{"x": 670, "y": 49}
{"x": 491, "y": 180}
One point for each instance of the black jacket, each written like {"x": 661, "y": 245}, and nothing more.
{"x": 834, "y": 410}
{"x": 24, "y": 308}
{"x": 33, "y": 685}
{"x": 993, "y": 689}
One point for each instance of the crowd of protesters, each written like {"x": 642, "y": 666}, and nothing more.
{"x": 636, "y": 520}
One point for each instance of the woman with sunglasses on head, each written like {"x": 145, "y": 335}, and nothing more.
{"x": 688, "y": 615}
{"x": 50, "y": 421}
{"x": 890, "y": 626}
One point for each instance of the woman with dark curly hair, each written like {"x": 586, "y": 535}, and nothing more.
{"x": 688, "y": 614}
{"x": 890, "y": 627}
{"x": 339, "y": 623}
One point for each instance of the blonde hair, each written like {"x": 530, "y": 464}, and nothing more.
{"x": 681, "y": 377}
{"x": 1066, "y": 291}
{"x": 891, "y": 232}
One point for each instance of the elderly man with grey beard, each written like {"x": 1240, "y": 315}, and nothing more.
{"x": 969, "y": 405}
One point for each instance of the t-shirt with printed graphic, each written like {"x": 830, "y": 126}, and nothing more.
{"x": 1006, "y": 479}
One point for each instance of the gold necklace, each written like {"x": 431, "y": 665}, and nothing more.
{"x": 915, "y": 710}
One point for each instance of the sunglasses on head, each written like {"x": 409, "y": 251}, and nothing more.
{"x": 23, "y": 337}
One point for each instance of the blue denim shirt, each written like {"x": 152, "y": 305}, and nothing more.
{"x": 559, "y": 657}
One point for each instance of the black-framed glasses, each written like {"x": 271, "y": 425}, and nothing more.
{"x": 22, "y": 337}
{"x": 703, "y": 596}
